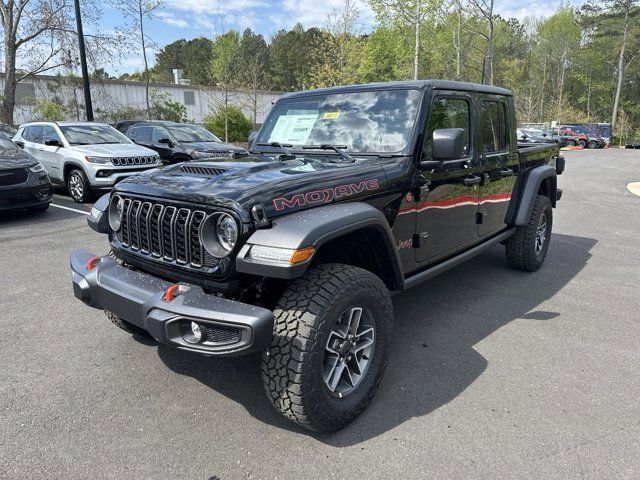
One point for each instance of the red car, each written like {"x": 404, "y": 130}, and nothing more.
{"x": 576, "y": 137}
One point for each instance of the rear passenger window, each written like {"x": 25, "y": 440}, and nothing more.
{"x": 447, "y": 113}
{"x": 34, "y": 134}
{"x": 493, "y": 131}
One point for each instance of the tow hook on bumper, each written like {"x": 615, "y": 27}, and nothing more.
{"x": 166, "y": 310}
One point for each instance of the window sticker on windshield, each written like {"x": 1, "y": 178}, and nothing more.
{"x": 294, "y": 129}
{"x": 330, "y": 115}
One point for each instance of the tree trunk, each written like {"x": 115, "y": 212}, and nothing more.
{"x": 457, "y": 41}
{"x": 144, "y": 56}
{"x": 416, "y": 50}
{"x": 9, "y": 95}
{"x": 616, "y": 101}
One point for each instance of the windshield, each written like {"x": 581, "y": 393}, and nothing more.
{"x": 376, "y": 121}
{"x": 192, "y": 133}
{"x": 92, "y": 134}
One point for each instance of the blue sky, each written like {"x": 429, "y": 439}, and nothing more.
{"x": 193, "y": 18}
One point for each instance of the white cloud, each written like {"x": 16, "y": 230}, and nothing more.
{"x": 314, "y": 13}
{"x": 213, "y": 6}
{"x": 170, "y": 19}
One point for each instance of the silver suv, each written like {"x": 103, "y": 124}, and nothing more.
{"x": 84, "y": 156}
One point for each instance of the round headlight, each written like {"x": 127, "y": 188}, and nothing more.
{"x": 219, "y": 234}
{"x": 116, "y": 210}
{"x": 227, "y": 231}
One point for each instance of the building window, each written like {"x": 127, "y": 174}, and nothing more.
{"x": 189, "y": 98}
{"x": 25, "y": 94}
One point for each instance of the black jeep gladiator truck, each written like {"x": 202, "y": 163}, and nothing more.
{"x": 350, "y": 194}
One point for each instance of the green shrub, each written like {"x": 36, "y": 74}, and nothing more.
{"x": 49, "y": 111}
{"x": 163, "y": 108}
{"x": 239, "y": 125}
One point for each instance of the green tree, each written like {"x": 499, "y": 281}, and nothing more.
{"x": 225, "y": 68}
{"x": 163, "y": 108}
{"x": 232, "y": 123}
{"x": 253, "y": 56}
{"x": 382, "y": 57}
{"x": 193, "y": 57}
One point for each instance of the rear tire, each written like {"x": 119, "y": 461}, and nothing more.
{"x": 315, "y": 372}
{"x": 527, "y": 248}
{"x": 126, "y": 326}
{"x": 582, "y": 143}
{"x": 79, "y": 187}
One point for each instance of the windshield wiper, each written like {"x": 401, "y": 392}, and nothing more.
{"x": 336, "y": 148}
{"x": 282, "y": 146}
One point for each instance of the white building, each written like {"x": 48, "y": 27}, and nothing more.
{"x": 111, "y": 97}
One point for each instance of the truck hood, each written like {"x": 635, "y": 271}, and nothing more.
{"x": 113, "y": 150}
{"x": 281, "y": 187}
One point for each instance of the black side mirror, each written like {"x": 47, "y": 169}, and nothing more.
{"x": 448, "y": 144}
{"x": 164, "y": 140}
{"x": 52, "y": 142}
{"x": 252, "y": 136}
{"x": 19, "y": 143}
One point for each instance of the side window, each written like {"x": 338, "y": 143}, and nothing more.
{"x": 143, "y": 134}
{"x": 158, "y": 133}
{"x": 35, "y": 134}
{"x": 493, "y": 131}
{"x": 447, "y": 113}
{"x": 25, "y": 134}
{"x": 49, "y": 133}
{"x": 132, "y": 133}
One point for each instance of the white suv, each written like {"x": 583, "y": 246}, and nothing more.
{"x": 84, "y": 156}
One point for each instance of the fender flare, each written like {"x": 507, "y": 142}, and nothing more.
{"x": 73, "y": 162}
{"x": 530, "y": 190}
{"x": 313, "y": 228}
{"x": 98, "y": 219}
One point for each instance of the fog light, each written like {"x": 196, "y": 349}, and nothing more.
{"x": 193, "y": 333}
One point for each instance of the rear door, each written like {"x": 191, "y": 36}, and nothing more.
{"x": 498, "y": 165}
{"x": 33, "y": 141}
{"x": 447, "y": 207}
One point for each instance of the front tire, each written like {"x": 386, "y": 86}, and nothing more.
{"x": 79, "y": 187}
{"x": 527, "y": 248}
{"x": 582, "y": 143}
{"x": 126, "y": 326}
{"x": 332, "y": 336}
{"x": 593, "y": 144}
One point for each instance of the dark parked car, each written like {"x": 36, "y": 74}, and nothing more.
{"x": 351, "y": 193}
{"x": 24, "y": 183}
{"x": 528, "y": 136}
{"x": 7, "y": 130}
{"x": 179, "y": 142}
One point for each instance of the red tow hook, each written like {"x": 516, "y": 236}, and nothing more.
{"x": 92, "y": 262}
{"x": 170, "y": 293}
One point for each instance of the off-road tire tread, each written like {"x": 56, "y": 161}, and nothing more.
{"x": 519, "y": 248}
{"x": 297, "y": 327}
{"x": 124, "y": 325}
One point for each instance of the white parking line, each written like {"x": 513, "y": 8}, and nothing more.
{"x": 70, "y": 209}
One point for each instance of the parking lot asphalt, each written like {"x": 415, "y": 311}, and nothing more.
{"x": 493, "y": 373}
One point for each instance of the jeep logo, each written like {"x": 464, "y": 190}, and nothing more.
{"x": 326, "y": 195}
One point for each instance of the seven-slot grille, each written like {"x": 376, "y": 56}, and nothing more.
{"x": 164, "y": 232}
{"x": 200, "y": 170}
{"x": 120, "y": 162}
{"x": 14, "y": 176}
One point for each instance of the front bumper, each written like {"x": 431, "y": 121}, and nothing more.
{"x": 30, "y": 194}
{"x": 139, "y": 298}
{"x": 102, "y": 177}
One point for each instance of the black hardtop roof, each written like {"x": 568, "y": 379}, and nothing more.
{"x": 417, "y": 84}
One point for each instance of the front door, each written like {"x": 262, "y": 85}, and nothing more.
{"x": 51, "y": 155}
{"x": 497, "y": 165}
{"x": 448, "y": 204}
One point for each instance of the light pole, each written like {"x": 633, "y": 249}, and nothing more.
{"x": 83, "y": 64}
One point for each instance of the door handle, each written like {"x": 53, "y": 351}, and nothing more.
{"x": 506, "y": 172}
{"x": 473, "y": 180}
